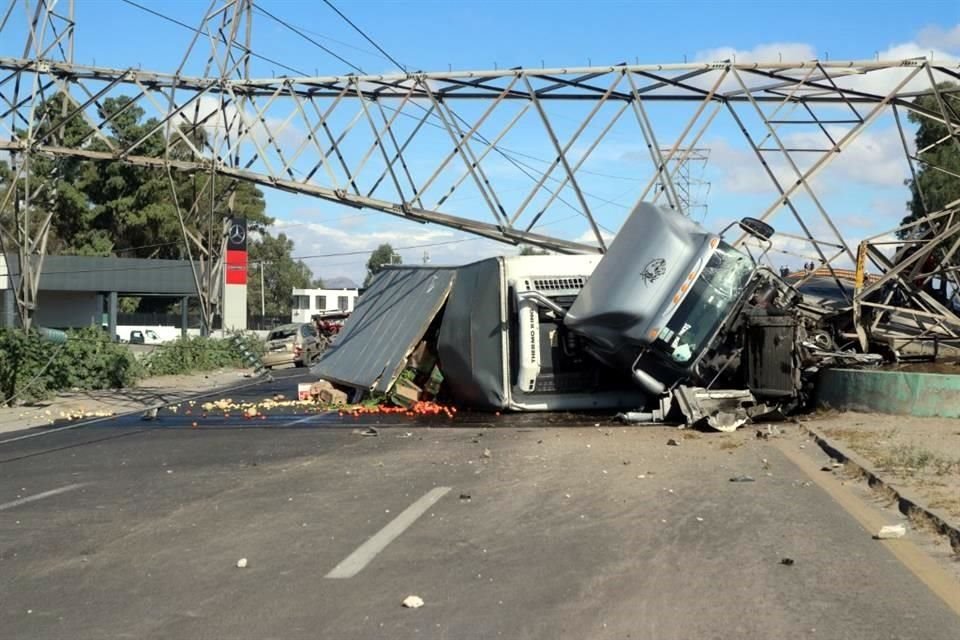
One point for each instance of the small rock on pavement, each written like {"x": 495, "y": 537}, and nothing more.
{"x": 242, "y": 563}
{"x": 672, "y": 443}
{"x": 787, "y": 562}
{"x": 486, "y": 454}
{"x": 413, "y": 602}
{"x": 891, "y": 532}
{"x": 741, "y": 479}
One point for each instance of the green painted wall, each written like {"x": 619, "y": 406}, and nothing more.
{"x": 895, "y": 392}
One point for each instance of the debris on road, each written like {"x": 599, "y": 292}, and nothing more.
{"x": 242, "y": 563}
{"x": 891, "y": 532}
{"x": 672, "y": 443}
{"x": 787, "y": 562}
{"x": 705, "y": 335}
{"x": 742, "y": 479}
{"x": 413, "y": 602}
{"x": 486, "y": 455}
{"x": 465, "y": 497}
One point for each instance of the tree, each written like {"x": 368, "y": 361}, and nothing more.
{"x": 934, "y": 188}
{"x": 382, "y": 256}
{"x": 113, "y": 208}
{"x": 529, "y": 250}
{"x": 281, "y": 274}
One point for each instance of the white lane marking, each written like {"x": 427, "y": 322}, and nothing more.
{"x": 41, "y": 496}
{"x": 356, "y": 561}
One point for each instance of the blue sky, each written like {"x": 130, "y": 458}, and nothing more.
{"x": 481, "y": 35}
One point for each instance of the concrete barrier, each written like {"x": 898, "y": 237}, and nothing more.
{"x": 893, "y": 392}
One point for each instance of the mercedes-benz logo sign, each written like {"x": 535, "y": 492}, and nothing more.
{"x": 237, "y": 233}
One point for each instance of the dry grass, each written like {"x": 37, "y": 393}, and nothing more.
{"x": 948, "y": 503}
{"x": 910, "y": 460}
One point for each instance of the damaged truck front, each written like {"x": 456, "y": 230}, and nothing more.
{"x": 670, "y": 312}
{"x": 678, "y": 305}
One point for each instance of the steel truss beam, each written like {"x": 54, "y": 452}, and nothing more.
{"x": 410, "y": 144}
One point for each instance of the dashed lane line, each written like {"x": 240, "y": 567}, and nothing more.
{"x": 356, "y": 561}
{"x": 41, "y": 496}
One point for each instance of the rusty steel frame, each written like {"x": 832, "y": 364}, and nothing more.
{"x": 334, "y": 112}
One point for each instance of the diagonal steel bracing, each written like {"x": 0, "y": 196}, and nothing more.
{"x": 513, "y": 155}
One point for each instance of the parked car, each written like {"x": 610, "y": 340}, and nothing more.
{"x": 295, "y": 344}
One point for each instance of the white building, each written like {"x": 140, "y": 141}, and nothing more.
{"x": 309, "y": 302}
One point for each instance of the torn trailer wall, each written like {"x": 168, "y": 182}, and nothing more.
{"x": 389, "y": 321}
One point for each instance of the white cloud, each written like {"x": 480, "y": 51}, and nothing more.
{"x": 874, "y": 158}
{"x": 589, "y": 237}
{"x": 444, "y": 247}
{"x": 939, "y": 37}
{"x": 772, "y": 52}
{"x": 934, "y": 42}
{"x": 883, "y": 81}
{"x": 228, "y": 120}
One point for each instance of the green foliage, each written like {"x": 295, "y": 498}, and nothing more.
{"x": 90, "y": 361}
{"x": 382, "y": 256}
{"x": 107, "y": 208}
{"x": 528, "y": 250}
{"x": 22, "y": 358}
{"x": 32, "y": 369}
{"x": 281, "y": 274}
{"x": 934, "y": 187}
{"x": 192, "y": 354}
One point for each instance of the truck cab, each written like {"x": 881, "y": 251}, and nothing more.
{"x": 660, "y": 296}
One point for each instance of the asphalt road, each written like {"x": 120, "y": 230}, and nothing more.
{"x": 130, "y": 529}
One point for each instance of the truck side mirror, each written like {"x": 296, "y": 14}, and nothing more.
{"x": 757, "y": 228}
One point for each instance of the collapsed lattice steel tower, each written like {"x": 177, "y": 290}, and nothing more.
{"x": 408, "y": 144}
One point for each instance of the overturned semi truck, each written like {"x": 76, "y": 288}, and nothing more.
{"x": 669, "y": 306}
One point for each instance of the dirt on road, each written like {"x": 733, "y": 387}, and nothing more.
{"x": 918, "y": 454}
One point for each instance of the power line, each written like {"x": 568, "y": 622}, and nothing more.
{"x": 219, "y": 38}
{"x": 189, "y": 265}
{"x": 507, "y": 154}
{"x": 306, "y": 37}
{"x": 368, "y": 38}
{"x": 503, "y": 151}
{"x": 344, "y": 44}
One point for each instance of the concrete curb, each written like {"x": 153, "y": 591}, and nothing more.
{"x": 35, "y": 432}
{"x": 908, "y": 504}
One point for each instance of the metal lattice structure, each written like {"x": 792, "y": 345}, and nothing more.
{"x": 409, "y": 144}
{"x": 909, "y": 299}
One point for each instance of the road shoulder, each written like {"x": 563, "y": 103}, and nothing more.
{"x": 912, "y": 462}
{"x": 83, "y": 405}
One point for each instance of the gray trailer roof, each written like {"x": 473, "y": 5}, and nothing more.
{"x": 390, "y": 318}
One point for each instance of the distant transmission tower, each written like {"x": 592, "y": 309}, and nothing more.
{"x": 688, "y": 168}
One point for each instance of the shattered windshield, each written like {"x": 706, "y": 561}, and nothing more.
{"x": 706, "y": 306}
